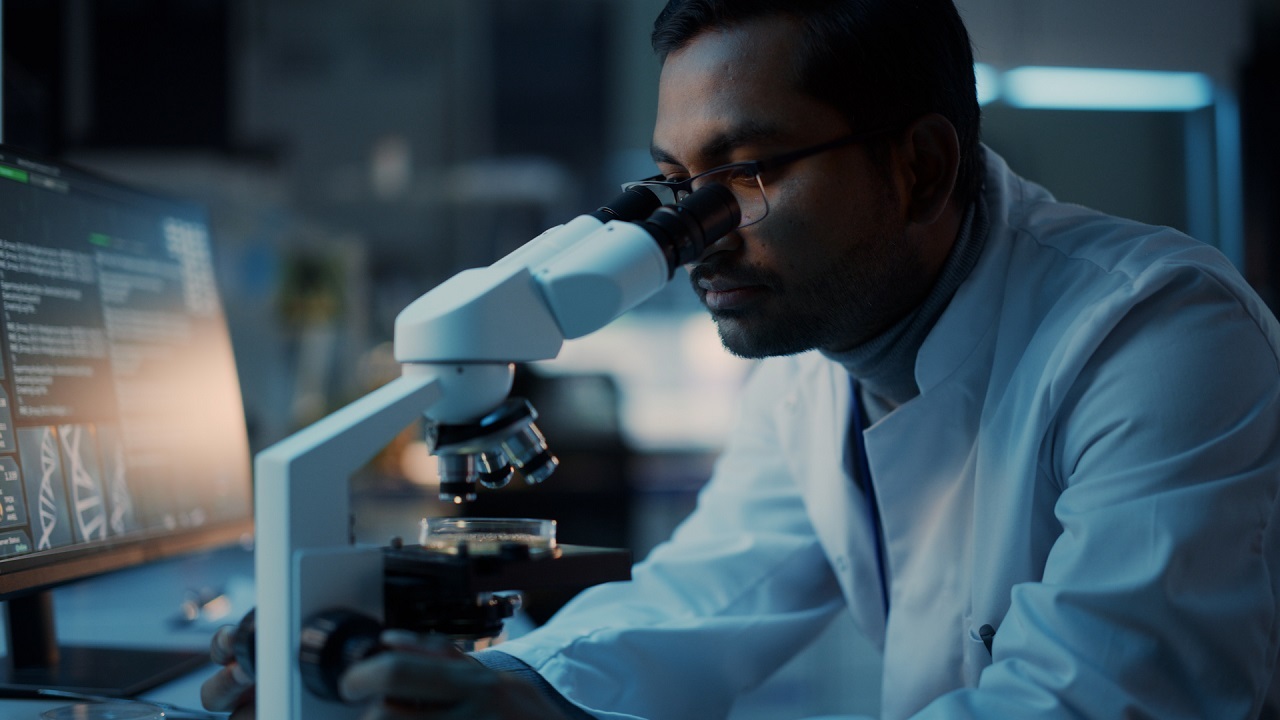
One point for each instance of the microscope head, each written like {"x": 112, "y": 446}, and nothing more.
{"x": 570, "y": 281}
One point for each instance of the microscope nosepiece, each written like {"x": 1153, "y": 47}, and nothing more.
{"x": 485, "y": 452}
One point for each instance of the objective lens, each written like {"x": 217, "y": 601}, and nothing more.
{"x": 528, "y": 451}
{"x": 493, "y": 469}
{"x": 540, "y": 467}
{"x": 458, "y": 477}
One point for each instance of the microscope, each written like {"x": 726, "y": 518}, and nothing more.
{"x": 321, "y": 599}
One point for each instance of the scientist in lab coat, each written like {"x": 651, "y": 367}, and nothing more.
{"x": 1032, "y": 450}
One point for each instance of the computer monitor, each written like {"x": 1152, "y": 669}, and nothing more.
{"x": 122, "y": 431}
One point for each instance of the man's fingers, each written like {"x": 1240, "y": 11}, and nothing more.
{"x": 416, "y": 685}
{"x": 226, "y": 689}
{"x": 222, "y": 646}
{"x": 414, "y": 676}
{"x": 382, "y": 711}
{"x": 429, "y": 643}
{"x": 245, "y": 713}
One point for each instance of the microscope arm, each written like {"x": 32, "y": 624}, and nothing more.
{"x": 302, "y": 510}
{"x": 301, "y": 503}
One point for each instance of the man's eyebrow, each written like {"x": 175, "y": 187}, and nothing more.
{"x": 720, "y": 146}
{"x": 661, "y": 156}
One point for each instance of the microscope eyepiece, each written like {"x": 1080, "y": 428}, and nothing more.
{"x": 633, "y": 204}
{"x": 685, "y": 229}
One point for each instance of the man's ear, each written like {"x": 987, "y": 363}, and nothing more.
{"x": 929, "y": 158}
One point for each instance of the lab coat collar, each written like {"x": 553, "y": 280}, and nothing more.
{"x": 974, "y": 308}
{"x": 837, "y": 508}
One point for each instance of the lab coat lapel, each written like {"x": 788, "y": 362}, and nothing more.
{"x": 925, "y": 494}
{"x": 813, "y": 423}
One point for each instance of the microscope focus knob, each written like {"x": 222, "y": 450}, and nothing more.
{"x": 244, "y": 644}
{"x": 331, "y": 642}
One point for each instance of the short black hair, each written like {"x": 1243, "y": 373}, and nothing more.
{"x": 881, "y": 63}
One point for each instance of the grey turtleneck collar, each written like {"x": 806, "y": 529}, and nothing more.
{"x": 885, "y": 365}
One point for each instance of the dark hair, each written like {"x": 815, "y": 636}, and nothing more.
{"x": 881, "y": 63}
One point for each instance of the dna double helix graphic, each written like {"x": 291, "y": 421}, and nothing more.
{"x": 48, "y": 504}
{"x": 121, "y": 501}
{"x": 87, "y": 499}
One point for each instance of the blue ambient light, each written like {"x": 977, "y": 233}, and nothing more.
{"x": 1095, "y": 89}
{"x": 988, "y": 81}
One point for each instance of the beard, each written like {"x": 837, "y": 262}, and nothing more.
{"x": 841, "y": 304}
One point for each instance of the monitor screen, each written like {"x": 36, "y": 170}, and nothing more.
{"x": 122, "y": 432}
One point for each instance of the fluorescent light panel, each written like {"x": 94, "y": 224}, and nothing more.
{"x": 988, "y": 80}
{"x": 1094, "y": 89}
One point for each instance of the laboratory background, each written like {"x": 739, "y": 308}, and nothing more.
{"x": 356, "y": 153}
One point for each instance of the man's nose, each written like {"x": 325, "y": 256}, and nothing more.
{"x": 726, "y": 243}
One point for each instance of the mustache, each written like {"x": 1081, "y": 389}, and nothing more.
{"x": 737, "y": 275}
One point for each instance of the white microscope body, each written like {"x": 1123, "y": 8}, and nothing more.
{"x": 457, "y": 345}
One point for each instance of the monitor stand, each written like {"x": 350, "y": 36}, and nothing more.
{"x": 37, "y": 662}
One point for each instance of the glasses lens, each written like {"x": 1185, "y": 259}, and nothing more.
{"x": 741, "y": 181}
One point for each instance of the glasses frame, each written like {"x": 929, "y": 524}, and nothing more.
{"x": 755, "y": 167}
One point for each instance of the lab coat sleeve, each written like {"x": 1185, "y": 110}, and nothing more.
{"x": 1159, "y": 597}
{"x": 741, "y": 586}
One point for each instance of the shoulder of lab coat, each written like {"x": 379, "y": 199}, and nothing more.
{"x": 1134, "y": 376}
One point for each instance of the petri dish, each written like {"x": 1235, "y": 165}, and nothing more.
{"x": 105, "y": 711}
{"x": 486, "y": 536}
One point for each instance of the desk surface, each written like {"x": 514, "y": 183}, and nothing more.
{"x": 142, "y": 607}
{"x": 184, "y": 693}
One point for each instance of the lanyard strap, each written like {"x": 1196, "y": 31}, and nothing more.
{"x": 862, "y": 475}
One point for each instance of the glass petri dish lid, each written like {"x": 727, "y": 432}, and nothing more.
{"x": 487, "y": 536}
{"x": 105, "y": 711}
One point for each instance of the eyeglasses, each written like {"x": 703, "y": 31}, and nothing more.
{"x": 743, "y": 179}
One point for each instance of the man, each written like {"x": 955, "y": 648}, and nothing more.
{"x": 1034, "y": 451}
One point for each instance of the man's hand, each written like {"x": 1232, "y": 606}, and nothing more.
{"x": 231, "y": 688}
{"x": 416, "y": 679}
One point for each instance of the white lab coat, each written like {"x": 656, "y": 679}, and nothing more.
{"x": 1091, "y": 468}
